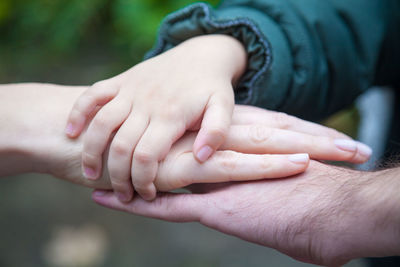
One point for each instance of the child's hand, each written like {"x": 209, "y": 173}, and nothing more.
{"x": 153, "y": 104}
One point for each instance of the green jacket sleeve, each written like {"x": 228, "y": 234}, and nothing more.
{"x": 309, "y": 58}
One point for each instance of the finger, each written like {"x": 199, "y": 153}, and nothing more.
{"x": 97, "y": 95}
{"x": 214, "y": 127}
{"x": 227, "y": 166}
{"x": 121, "y": 151}
{"x": 106, "y": 121}
{"x": 261, "y": 139}
{"x": 247, "y": 115}
{"x": 152, "y": 147}
{"x": 168, "y": 206}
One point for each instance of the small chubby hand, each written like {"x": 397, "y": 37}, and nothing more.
{"x": 150, "y": 106}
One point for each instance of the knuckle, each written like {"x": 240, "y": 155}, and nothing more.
{"x": 266, "y": 164}
{"x": 172, "y": 112}
{"x": 102, "y": 123}
{"x": 99, "y": 122}
{"x": 260, "y": 134}
{"x": 143, "y": 157}
{"x": 89, "y": 159}
{"x": 228, "y": 162}
{"x": 283, "y": 120}
{"x": 120, "y": 148}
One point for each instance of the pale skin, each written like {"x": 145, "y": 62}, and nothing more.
{"x": 261, "y": 143}
{"x": 286, "y": 214}
{"x": 150, "y": 106}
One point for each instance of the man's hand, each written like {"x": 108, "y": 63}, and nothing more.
{"x": 327, "y": 215}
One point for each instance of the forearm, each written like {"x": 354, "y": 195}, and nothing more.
{"x": 225, "y": 53}
{"x": 32, "y": 138}
{"x": 364, "y": 214}
{"x": 381, "y": 195}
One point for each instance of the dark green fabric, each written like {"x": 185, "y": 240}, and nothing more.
{"x": 309, "y": 58}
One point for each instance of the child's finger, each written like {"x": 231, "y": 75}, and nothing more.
{"x": 121, "y": 152}
{"x": 214, "y": 127}
{"x": 226, "y": 166}
{"x": 261, "y": 139}
{"x": 109, "y": 118}
{"x": 97, "y": 95}
{"x": 152, "y": 147}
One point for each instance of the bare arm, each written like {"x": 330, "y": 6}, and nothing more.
{"x": 32, "y": 118}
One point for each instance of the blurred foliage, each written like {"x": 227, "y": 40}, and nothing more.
{"x": 37, "y": 34}
{"x": 346, "y": 121}
{"x": 83, "y": 41}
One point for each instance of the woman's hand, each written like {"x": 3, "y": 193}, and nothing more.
{"x": 33, "y": 141}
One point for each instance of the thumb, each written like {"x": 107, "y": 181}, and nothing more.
{"x": 214, "y": 127}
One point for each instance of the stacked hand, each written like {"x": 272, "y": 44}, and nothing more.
{"x": 151, "y": 106}
{"x": 260, "y": 144}
{"x": 325, "y": 215}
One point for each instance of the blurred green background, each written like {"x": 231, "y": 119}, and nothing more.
{"x": 48, "y": 222}
{"x": 76, "y": 41}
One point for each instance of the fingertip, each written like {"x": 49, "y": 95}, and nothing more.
{"x": 99, "y": 196}
{"x": 301, "y": 158}
{"x": 70, "y": 130}
{"x": 150, "y": 193}
{"x": 207, "y": 142}
{"x": 364, "y": 149}
{"x": 124, "y": 197}
{"x": 74, "y": 126}
{"x": 104, "y": 198}
{"x": 90, "y": 173}
{"x": 204, "y": 153}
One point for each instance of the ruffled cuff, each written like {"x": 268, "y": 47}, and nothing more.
{"x": 200, "y": 19}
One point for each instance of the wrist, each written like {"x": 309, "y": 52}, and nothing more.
{"x": 368, "y": 214}
{"x": 221, "y": 54}
{"x": 353, "y": 214}
{"x": 16, "y": 144}
{"x": 381, "y": 194}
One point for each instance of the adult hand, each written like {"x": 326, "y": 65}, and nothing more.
{"x": 260, "y": 144}
{"x": 253, "y": 150}
{"x": 326, "y": 215}
{"x": 32, "y": 141}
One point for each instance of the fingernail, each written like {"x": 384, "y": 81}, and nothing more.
{"x": 204, "y": 153}
{"x": 299, "y": 158}
{"x": 70, "y": 129}
{"x": 364, "y": 149}
{"x": 122, "y": 197}
{"x": 89, "y": 173}
{"x": 99, "y": 193}
{"x": 347, "y": 145}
